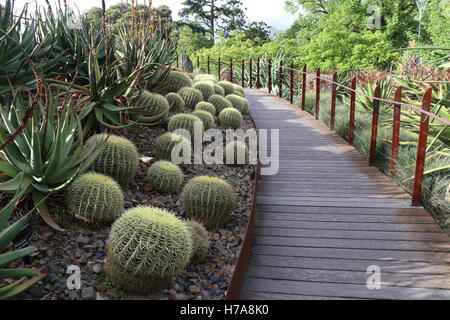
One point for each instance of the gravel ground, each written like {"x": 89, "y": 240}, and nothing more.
{"x": 85, "y": 246}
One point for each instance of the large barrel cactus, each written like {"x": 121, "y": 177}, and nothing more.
{"x": 151, "y": 106}
{"x": 205, "y": 77}
{"x": 175, "y": 81}
{"x": 219, "y": 102}
{"x": 206, "y": 88}
{"x": 176, "y": 103}
{"x": 237, "y": 102}
{"x": 165, "y": 176}
{"x": 238, "y": 88}
{"x": 219, "y": 90}
{"x": 200, "y": 240}
{"x": 118, "y": 158}
{"x": 230, "y": 118}
{"x": 168, "y": 141}
{"x": 190, "y": 96}
{"x": 95, "y": 198}
{"x": 209, "y": 200}
{"x": 185, "y": 121}
{"x": 206, "y": 117}
{"x": 147, "y": 248}
{"x": 227, "y": 86}
{"x": 206, "y": 106}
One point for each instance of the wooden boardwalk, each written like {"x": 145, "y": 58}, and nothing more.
{"x": 327, "y": 216}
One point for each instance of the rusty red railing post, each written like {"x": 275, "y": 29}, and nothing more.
{"x": 304, "y": 87}
{"x": 177, "y": 61}
{"x": 395, "y": 132}
{"x": 333, "y": 101}
{"x": 243, "y": 73}
{"x": 209, "y": 70}
{"x": 270, "y": 76}
{"x": 351, "y": 125}
{"x": 317, "y": 92}
{"x": 198, "y": 62}
{"x": 280, "y": 80}
{"x": 421, "y": 149}
{"x": 218, "y": 69}
{"x": 251, "y": 73}
{"x": 258, "y": 84}
{"x": 373, "y": 138}
{"x": 231, "y": 69}
{"x": 292, "y": 84}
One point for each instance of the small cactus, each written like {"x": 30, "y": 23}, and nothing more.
{"x": 148, "y": 247}
{"x": 95, "y": 198}
{"x": 219, "y": 102}
{"x": 227, "y": 86}
{"x": 209, "y": 200}
{"x": 237, "y": 102}
{"x": 118, "y": 158}
{"x": 176, "y": 103}
{"x": 246, "y": 108}
{"x": 206, "y": 88}
{"x": 200, "y": 240}
{"x": 238, "y": 88}
{"x": 230, "y": 118}
{"x": 206, "y": 117}
{"x": 165, "y": 176}
{"x": 239, "y": 151}
{"x": 175, "y": 81}
{"x": 184, "y": 121}
{"x": 219, "y": 90}
{"x": 166, "y": 143}
{"x": 151, "y": 105}
{"x": 206, "y": 106}
{"x": 191, "y": 97}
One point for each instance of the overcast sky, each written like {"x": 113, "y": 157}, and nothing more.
{"x": 270, "y": 11}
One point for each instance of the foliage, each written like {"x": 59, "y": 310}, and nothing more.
{"x": 167, "y": 142}
{"x": 164, "y": 176}
{"x": 230, "y": 118}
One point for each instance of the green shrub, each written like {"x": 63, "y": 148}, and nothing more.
{"x": 95, "y": 198}
{"x": 236, "y": 148}
{"x": 166, "y": 143}
{"x": 206, "y": 88}
{"x": 151, "y": 105}
{"x": 118, "y": 158}
{"x": 230, "y": 118}
{"x": 176, "y": 103}
{"x": 147, "y": 248}
{"x": 237, "y": 102}
{"x": 206, "y": 106}
{"x": 175, "y": 81}
{"x": 209, "y": 200}
{"x": 190, "y": 97}
{"x": 184, "y": 121}
{"x": 200, "y": 240}
{"x": 219, "y": 103}
{"x": 164, "y": 176}
{"x": 206, "y": 117}
{"x": 219, "y": 90}
{"x": 227, "y": 86}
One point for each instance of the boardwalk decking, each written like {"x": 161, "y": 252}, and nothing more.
{"x": 327, "y": 216}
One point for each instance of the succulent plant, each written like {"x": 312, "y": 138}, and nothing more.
{"x": 205, "y": 77}
{"x": 175, "y": 81}
{"x": 238, "y": 88}
{"x": 118, "y": 158}
{"x": 190, "y": 96}
{"x": 206, "y": 117}
{"x": 237, "y": 102}
{"x": 238, "y": 94}
{"x": 200, "y": 240}
{"x": 166, "y": 143}
{"x": 246, "y": 108}
{"x": 239, "y": 151}
{"x": 152, "y": 105}
{"x": 206, "y": 88}
{"x": 219, "y": 90}
{"x": 227, "y": 86}
{"x": 148, "y": 246}
{"x": 208, "y": 200}
{"x": 165, "y": 176}
{"x": 219, "y": 102}
{"x": 95, "y": 198}
{"x": 230, "y": 118}
{"x": 176, "y": 103}
{"x": 184, "y": 121}
{"x": 206, "y": 106}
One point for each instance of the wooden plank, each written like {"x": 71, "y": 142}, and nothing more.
{"x": 247, "y": 295}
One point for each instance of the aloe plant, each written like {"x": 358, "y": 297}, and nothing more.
{"x": 47, "y": 155}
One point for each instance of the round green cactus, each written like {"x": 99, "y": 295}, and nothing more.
{"x": 206, "y": 88}
{"x": 184, "y": 121}
{"x": 147, "y": 248}
{"x": 200, "y": 240}
{"x": 219, "y": 102}
{"x": 191, "y": 96}
{"x": 165, "y": 176}
{"x": 152, "y": 105}
{"x": 205, "y": 77}
{"x": 176, "y": 103}
{"x": 219, "y": 90}
{"x": 206, "y": 106}
{"x": 238, "y": 88}
{"x": 95, "y": 198}
{"x": 227, "y": 86}
{"x": 118, "y": 158}
{"x": 206, "y": 117}
{"x": 238, "y": 94}
{"x": 239, "y": 152}
{"x": 246, "y": 108}
{"x": 237, "y": 102}
{"x": 175, "y": 81}
{"x": 209, "y": 200}
{"x": 168, "y": 141}
{"x": 230, "y": 118}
